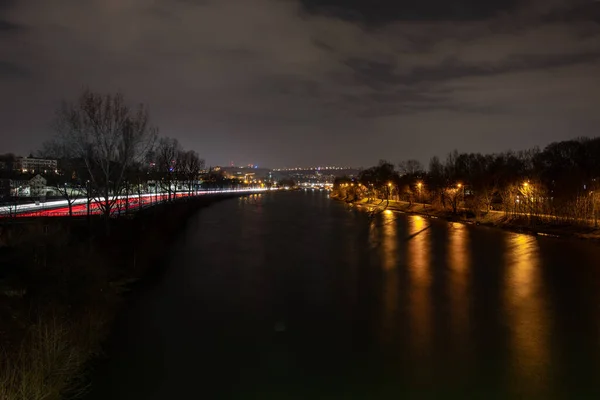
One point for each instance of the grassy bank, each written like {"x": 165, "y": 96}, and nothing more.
{"x": 61, "y": 284}
{"x": 497, "y": 219}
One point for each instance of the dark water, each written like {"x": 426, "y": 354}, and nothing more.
{"x": 296, "y": 296}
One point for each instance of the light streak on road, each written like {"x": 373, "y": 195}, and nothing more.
{"x": 79, "y": 206}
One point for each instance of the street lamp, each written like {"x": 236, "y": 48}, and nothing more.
{"x": 594, "y": 209}
{"x": 460, "y": 186}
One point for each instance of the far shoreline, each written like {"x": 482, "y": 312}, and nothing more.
{"x": 490, "y": 219}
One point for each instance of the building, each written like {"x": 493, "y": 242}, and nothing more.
{"x": 34, "y": 165}
{"x": 245, "y": 173}
{"x": 37, "y": 186}
{"x": 34, "y": 187}
{"x": 19, "y": 187}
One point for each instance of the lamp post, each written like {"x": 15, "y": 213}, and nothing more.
{"x": 528, "y": 190}
{"x": 594, "y": 209}
{"x": 461, "y": 186}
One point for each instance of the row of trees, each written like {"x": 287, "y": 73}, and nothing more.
{"x": 560, "y": 183}
{"x": 108, "y": 149}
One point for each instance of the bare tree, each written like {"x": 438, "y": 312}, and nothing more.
{"x": 70, "y": 182}
{"x": 190, "y": 166}
{"x": 109, "y": 137}
{"x": 411, "y": 167}
{"x": 140, "y": 177}
{"x": 72, "y": 172}
{"x": 168, "y": 165}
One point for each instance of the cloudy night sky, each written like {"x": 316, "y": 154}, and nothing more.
{"x": 305, "y": 82}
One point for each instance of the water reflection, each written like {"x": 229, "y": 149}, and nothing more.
{"x": 389, "y": 246}
{"x": 459, "y": 263}
{"x": 389, "y": 263}
{"x": 420, "y": 302}
{"x": 418, "y": 251}
{"x": 532, "y": 320}
{"x": 527, "y": 312}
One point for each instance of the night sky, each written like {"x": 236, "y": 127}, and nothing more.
{"x": 311, "y": 82}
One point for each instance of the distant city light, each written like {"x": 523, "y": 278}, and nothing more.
{"x": 318, "y": 168}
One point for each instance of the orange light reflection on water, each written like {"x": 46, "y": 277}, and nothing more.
{"x": 527, "y": 312}
{"x": 459, "y": 263}
{"x": 419, "y": 270}
{"x": 389, "y": 263}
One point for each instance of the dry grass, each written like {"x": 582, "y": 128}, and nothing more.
{"x": 48, "y": 361}
{"x": 58, "y": 322}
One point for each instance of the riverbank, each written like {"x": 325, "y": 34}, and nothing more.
{"x": 495, "y": 219}
{"x": 61, "y": 284}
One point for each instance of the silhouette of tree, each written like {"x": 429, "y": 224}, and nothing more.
{"x": 109, "y": 136}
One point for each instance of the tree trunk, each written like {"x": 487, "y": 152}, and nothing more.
{"x": 107, "y": 210}
{"x": 127, "y": 198}
{"x": 89, "y": 215}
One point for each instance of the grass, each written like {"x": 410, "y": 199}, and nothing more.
{"x": 47, "y": 362}
{"x": 51, "y": 331}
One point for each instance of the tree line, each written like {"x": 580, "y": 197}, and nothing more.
{"x": 559, "y": 184}
{"x": 108, "y": 149}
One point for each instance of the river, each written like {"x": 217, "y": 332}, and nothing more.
{"x": 297, "y": 296}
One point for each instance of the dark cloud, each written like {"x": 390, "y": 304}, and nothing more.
{"x": 4, "y": 4}
{"x": 378, "y": 74}
{"x": 580, "y": 11}
{"x": 6, "y": 26}
{"x": 386, "y": 11}
{"x": 285, "y": 82}
{"x": 10, "y": 70}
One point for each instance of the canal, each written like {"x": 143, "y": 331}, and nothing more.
{"x": 296, "y": 296}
